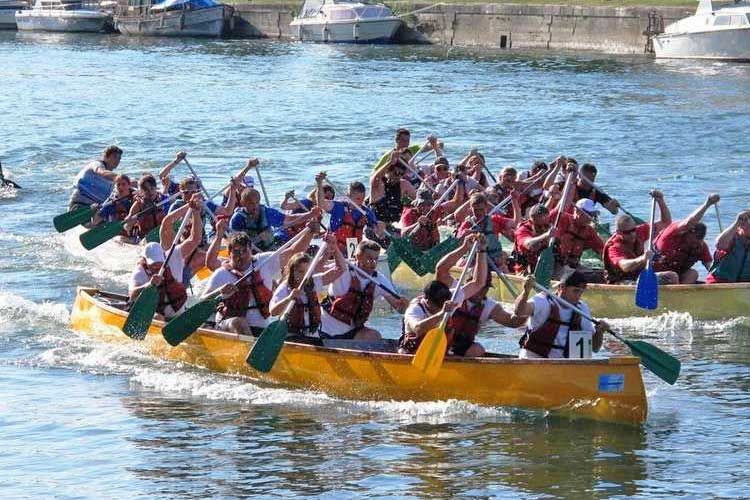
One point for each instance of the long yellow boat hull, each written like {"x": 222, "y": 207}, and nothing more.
{"x": 704, "y": 302}
{"x": 601, "y": 389}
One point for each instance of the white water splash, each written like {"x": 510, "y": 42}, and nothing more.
{"x": 14, "y": 308}
{"x": 112, "y": 256}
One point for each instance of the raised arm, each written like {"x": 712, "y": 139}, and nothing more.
{"x": 443, "y": 268}
{"x": 523, "y": 307}
{"x": 212, "y": 255}
{"x": 695, "y": 217}
{"x": 665, "y": 216}
{"x": 167, "y": 231}
{"x": 333, "y": 273}
{"x": 320, "y": 199}
{"x": 726, "y": 238}
{"x": 167, "y": 169}
{"x": 479, "y": 279}
{"x": 196, "y": 229}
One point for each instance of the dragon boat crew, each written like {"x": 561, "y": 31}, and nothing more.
{"x": 490, "y": 226}
{"x": 304, "y": 318}
{"x": 549, "y": 323}
{"x": 245, "y": 308}
{"x": 147, "y": 198}
{"x": 172, "y": 291}
{"x": 732, "y": 256}
{"x": 388, "y": 191}
{"x": 93, "y": 184}
{"x": 351, "y": 298}
{"x": 682, "y": 243}
{"x": 304, "y": 205}
{"x": 420, "y": 221}
{"x": 576, "y": 232}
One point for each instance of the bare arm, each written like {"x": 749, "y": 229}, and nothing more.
{"x": 726, "y": 238}
{"x": 443, "y": 268}
{"x": 479, "y": 278}
{"x": 699, "y": 212}
{"x": 212, "y": 255}
{"x": 167, "y": 169}
{"x": 196, "y": 230}
{"x": 320, "y": 199}
{"x": 503, "y": 317}
{"x": 166, "y": 231}
{"x": 522, "y": 307}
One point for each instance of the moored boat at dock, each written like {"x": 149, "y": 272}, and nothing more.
{"x": 345, "y": 21}
{"x": 199, "y": 18}
{"x": 72, "y": 16}
{"x": 601, "y": 389}
{"x": 8, "y": 9}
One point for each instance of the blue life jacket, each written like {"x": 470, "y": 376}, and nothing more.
{"x": 91, "y": 187}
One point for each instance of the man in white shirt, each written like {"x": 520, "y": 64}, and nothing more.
{"x": 550, "y": 321}
{"x": 351, "y": 298}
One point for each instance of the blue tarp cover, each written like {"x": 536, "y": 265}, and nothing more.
{"x": 195, "y": 4}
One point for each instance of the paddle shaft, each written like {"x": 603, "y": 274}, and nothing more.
{"x": 363, "y": 274}
{"x": 437, "y": 203}
{"x": 262, "y": 186}
{"x": 718, "y": 218}
{"x": 364, "y": 214}
{"x": 508, "y": 284}
{"x": 308, "y": 210}
{"x": 651, "y": 229}
{"x": 460, "y": 283}
{"x": 410, "y": 169}
{"x": 561, "y": 209}
{"x": 202, "y": 187}
{"x": 597, "y": 188}
{"x": 307, "y": 276}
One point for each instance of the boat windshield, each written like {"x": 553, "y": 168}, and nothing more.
{"x": 311, "y": 8}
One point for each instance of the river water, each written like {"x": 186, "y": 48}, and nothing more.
{"x": 84, "y": 419}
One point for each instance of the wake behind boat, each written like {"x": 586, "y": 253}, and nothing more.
{"x": 710, "y": 33}
{"x": 345, "y": 21}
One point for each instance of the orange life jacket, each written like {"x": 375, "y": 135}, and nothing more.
{"x": 354, "y": 307}
{"x": 542, "y": 340}
{"x": 171, "y": 292}
{"x": 349, "y": 228}
{"x": 238, "y": 304}
{"x": 296, "y": 317}
{"x": 148, "y": 220}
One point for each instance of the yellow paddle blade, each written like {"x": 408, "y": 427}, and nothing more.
{"x": 430, "y": 354}
{"x": 203, "y": 273}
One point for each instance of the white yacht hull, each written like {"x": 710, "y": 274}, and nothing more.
{"x": 80, "y": 21}
{"x": 728, "y": 44}
{"x": 210, "y": 22}
{"x": 375, "y": 31}
{"x": 7, "y": 19}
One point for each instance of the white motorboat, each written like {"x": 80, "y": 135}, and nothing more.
{"x": 176, "y": 18}
{"x": 345, "y": 21}
{"x": 709, "y": 34}
{"x": 64, "y": 15}
{"x": 8, "y": 10}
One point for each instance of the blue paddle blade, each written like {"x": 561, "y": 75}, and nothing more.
{"x": 647, "y": 290}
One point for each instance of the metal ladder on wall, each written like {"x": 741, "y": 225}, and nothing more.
{"x": 655, "y": 27}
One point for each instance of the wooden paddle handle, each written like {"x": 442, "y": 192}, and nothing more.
{"x": 362, "y": 273}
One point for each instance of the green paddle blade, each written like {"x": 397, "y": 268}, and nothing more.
{"x": 393, "y": 258}
{"x": 410, "y": 255}
{"x": 153, "y": 235}
{"x": 267, "y": 347}
{"x": 544, "y": 267}
{"x": 431, "y": 351}
{"x": 101, "y": 234}
{"x": 69, "y": 220}
{"x": 142, "y": 313}
{"x": 660, "y": 363}
{"x": 183, "y": 326}
{"x": 431, "y": 257}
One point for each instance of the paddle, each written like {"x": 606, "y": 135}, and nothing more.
{"x": 660, "y": 363}
{"x": 435, "y": 205}
{"x": 69, "y": 220}
{"x": 105, "y": 232}
{"x": 143, "y": 309}
{"x": 183, "y": 325}
{"x": 647, "y": 286}
{"x": 637, "y": 220}
{"x": 413, "y": 171}
{"x": 718, "y": 218}
{"x": 431, "y": 351}
{"x": 262, "y": 186}
{"x": 374, "y": 279}
{"x": 266, "y": 350}
{"x": 545, "y": 264}
{"x": 7, "y": 182}
{"x": 508, "y": 284}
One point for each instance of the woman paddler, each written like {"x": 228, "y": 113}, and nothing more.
{"x": 420, "y": 221}
{"x": 245, "y": 307}
{"x": 305, "y": 316}
{"x": 117, "y": 206}
{"x": 172, "y": 292}
{"x": 387, "y": 189}
{"x": 147, "y": 198}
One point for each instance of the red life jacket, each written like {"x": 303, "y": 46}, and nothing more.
{"x": 678, "y": 259}
{"x": 296, "y": 317}
{"x": 570, "y": 247}
{"x": 464, "y": 323}
{"x": 525, "y": 259}
{"x": 354, "y": 307}
{"x": 349, "y": 229}
{"x": 171, "y": 292}
{"x": 612, "y": 273}
{"x": 542, "y": 340}
{"x": 148, "y": 220}
{"x": 238, "y": 304}
{"x": 425, "y": 236}
{"x": 122, "y": 208}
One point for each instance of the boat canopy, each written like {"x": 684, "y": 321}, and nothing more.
{"x": 311, "y": 8}
{"x": 344, "y": 10}
{"x": 179, "y": 4}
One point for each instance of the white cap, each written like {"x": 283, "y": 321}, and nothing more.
{"x": 249, "y": 181}
{"x": 587, "y": 205}
{"x": 153, "y": 253}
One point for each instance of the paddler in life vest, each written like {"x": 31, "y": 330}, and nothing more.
{"x": 172, "y": 293}
{"x": 147, "y": 198}
{"x": 117, "y": 206}
{"x": 346, "y": 221}
{"x": 264, "y": 225}
{"x": 681, "y": 244}
{"x": 576, "y": 232}
{"x": 300, "y": 206}
{"x": 388, "y": 187}
{"x": 304, "y": 318}
{"x": 624, "y": 255}
{"x": 170, "y": 187}
{"x": 421, "y": 227}
{"x": 402, "y": 143}
{"x": 490, "y": 227}
{"x": 94, "y": 181}
{"x": 549, "y": 322}
{"x": 245, "y": 308}
{"x": 532, "y": 236}
{"x": 351, "y": 298}
{"x": 440, "y": 171}
{"x": 732, "y": 256}
{"x": 473, "y": 309}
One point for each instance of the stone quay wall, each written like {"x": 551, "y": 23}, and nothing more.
{"x": 620, "y": 30}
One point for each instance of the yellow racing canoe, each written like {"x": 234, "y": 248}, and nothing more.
{"x": 703, "y": 302}
{"x": 601, "y": 389}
